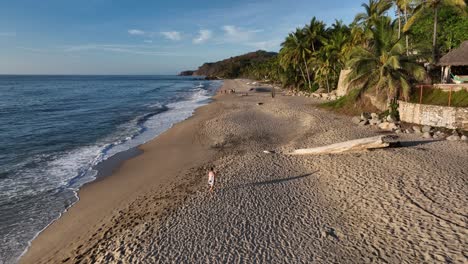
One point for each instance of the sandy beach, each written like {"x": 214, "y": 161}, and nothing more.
{"x": 396, "y": 205}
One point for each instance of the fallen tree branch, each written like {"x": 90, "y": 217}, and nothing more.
{"x": 348, "y": 146}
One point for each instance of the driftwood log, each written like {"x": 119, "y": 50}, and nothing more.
{"x": 349, "y": 146}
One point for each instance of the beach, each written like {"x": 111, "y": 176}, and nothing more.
{"x": 393, "y": 205}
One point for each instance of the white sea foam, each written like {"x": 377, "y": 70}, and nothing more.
{"x": 73, "y": 169}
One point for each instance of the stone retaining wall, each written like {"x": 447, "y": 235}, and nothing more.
{"x": 433, "y": 115}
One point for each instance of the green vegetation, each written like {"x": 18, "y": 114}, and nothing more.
{"x": 235, "y": 66}
{"x": 439, "y": 97}
{"x": 434, "y": 6}
{"x": 349, "y": 104}
{"x": 385, "y": 54}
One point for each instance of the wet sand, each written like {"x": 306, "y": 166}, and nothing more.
{"x": 396, "y": 205}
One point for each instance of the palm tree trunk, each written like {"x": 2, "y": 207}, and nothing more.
{"x": 434, "y": 36}
{"x": 406, "y": 35}
{"x": 328, "y": 85}
{"x": 303, "y": 76}
{"x": 399, "y": 22}
{"x": 308, "y": 75}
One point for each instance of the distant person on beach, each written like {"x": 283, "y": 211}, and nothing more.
{"x": 211, "y": 178}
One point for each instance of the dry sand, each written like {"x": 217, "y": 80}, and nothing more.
{"x": 396, "y": 205}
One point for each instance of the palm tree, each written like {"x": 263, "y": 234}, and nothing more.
{"x": 313, "y": 32}
{"x": 330, "y": 59}
{"x": 403, "y": 6}
{"x": 373, "y": 11}
{"x": 295, "y": 52}
{"x": 384, "y": 65}
{"x": 433, "y": 5}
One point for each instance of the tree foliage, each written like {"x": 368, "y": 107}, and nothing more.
{"x": 379, "y": 49}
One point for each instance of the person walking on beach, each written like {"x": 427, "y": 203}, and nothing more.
{"x": 211, "y": 179}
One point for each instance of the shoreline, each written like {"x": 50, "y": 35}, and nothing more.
{"x": 268, "y": 207}
{"x": 107, "y": 168}
{"x": 104, "y": 169}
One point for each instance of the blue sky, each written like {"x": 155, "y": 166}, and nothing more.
{"x": 147, "y": 36}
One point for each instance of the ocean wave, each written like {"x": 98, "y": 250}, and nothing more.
{"x": 56, "y": 178}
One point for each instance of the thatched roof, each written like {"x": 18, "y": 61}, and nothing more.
{"x": 456, "y": 57}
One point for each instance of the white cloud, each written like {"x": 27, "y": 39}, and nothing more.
{"x": 203, "y": 36}
{"x": 172, "y": 35}
{"x": 236, "y": 34}
{"x": 136, "y": 32}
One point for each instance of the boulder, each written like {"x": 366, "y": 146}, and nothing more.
{"x": 453, "y": 138}
{"x": 364, "y": 122}
{"x": 409, "y": 131}
{"x": 390, "y": 119}
{"x": 388, "y": 126}
{"x": 320, "y": 90}
{"x": 375, "y": 121}
{"x": 365, "y": 116}
{"x": 426, "y": 129}
{"x": 374, "y": 116}
{"x": 464, "y": 138}
{"x": 394, "y": 126}
{"x": 417, "y": 129}
{"x": 398, "y": 131}
{"x": 427, "y": 135}
{"x": 333, "y": 97}
{"x": 356, "y": 120}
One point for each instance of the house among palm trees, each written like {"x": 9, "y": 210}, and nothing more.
{"x": 455, "y": 68}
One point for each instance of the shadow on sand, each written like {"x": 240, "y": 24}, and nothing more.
{"x": 407, "y": 144}
{"x": 274, "y": 181}
{"x": 262, "y": 90}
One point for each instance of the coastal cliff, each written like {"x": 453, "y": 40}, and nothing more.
{"x": 232, "y": 67}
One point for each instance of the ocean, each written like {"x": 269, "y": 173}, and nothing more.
{"x": 54, "y": 130}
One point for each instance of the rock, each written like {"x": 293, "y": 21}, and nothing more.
{"x": 383, "y": 125}
{"x": 375, "y": 122}
{"x": 453, "y": 138}
{"x": 388, "y": 126}
{"x": 398, "y": 131}
{"x": 324, "y": 95}
{"x": 259, "y": 103}
{"x": 417, "y": 129}
{"x": 426, "y": 129}
{"x": 409, "y": 131}
{"x": 320, "y": 90}
{"x": 364, "y": 122}
{"x": 356, "y": 120}
{"x": 390, "y": 119}
{"x": 464, "y": 138}
{"x": 455, "y": 133}
{"x": 374, "y": 116}
{"x": 333, "y": 97}
{"x": 365, "y": 116}
{"x": 427, "y": 135}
